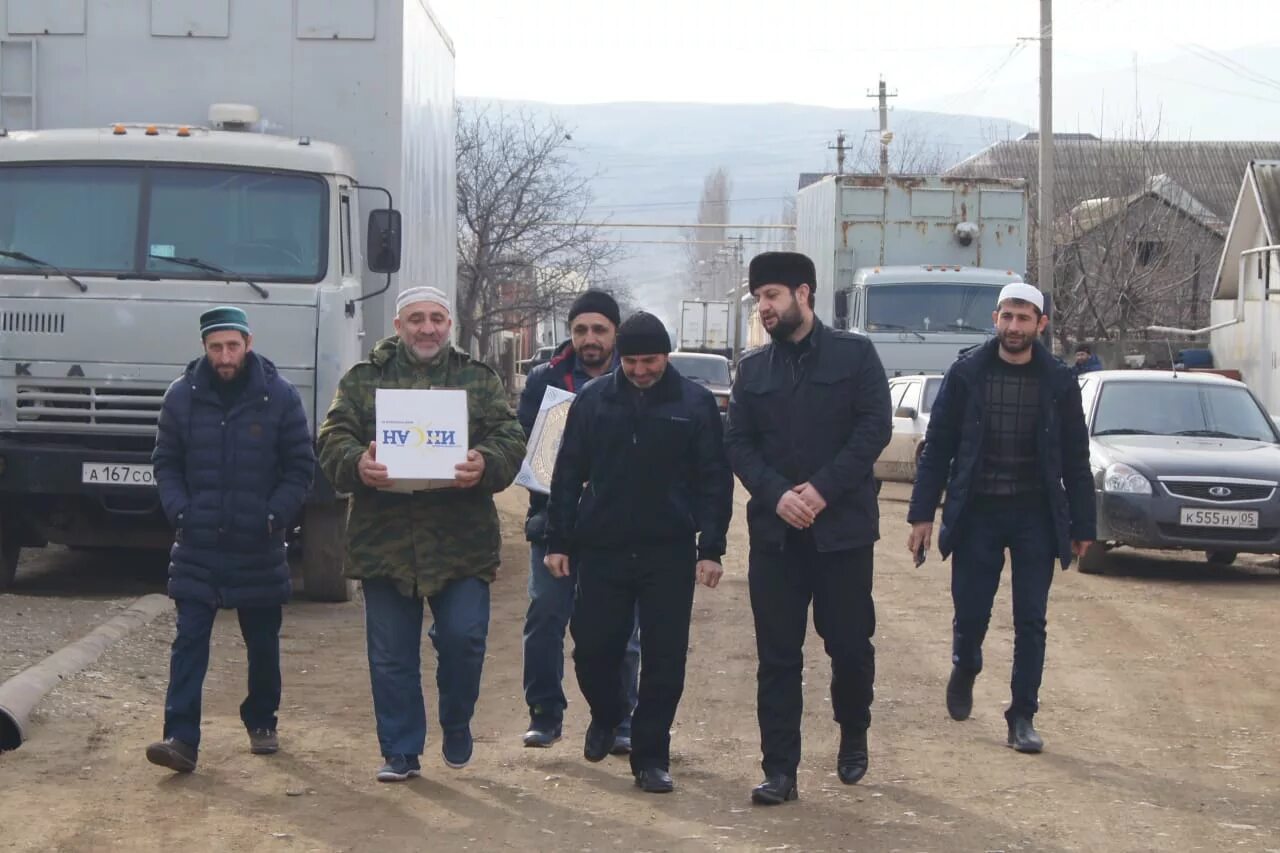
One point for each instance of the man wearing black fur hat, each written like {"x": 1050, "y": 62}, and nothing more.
{"x": 808, "y": 417}
{"x": 651, "y": 523}
{"x": 590, "y": 352}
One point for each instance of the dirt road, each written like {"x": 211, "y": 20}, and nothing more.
{"x": 1160, "y": 713}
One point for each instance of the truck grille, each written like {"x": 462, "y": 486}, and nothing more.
{"x": 110, "y": 407}
{"x": 32, "y": 322}
{"x": 1234, "y": 492}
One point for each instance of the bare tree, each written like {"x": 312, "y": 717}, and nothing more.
{"x": 524, "y": 246}
{"x": 713, "y": 209}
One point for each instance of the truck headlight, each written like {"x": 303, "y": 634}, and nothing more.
{"x": 1123, "y": 479}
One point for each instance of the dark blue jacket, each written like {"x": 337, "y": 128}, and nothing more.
{"x": 821, "y": 417}
{"x": 231, "y": 483}
{"x": 564, "y": 372}
{"x": 641, "y": 468}
{"x": 953, "y": 448}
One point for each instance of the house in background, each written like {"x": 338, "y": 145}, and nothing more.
{"x": 1247, "y": 287}
{"x": 1160, "y": 206}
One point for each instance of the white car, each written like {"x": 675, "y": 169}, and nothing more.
{"x": 912, "y": 399}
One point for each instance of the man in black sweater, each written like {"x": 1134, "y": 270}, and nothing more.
{"x": 1008, "y": 442}
{"x": 640, "y": 502}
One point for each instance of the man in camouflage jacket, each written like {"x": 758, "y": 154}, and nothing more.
{"x": 440, "y": 546}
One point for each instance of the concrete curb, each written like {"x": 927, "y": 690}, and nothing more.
{"x": 20, "y": 694}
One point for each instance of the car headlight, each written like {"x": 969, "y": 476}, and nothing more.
{"x": 1122, "y": 479}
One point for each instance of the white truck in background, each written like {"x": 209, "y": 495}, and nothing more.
{"x": 913, "y": 262}
{"x": 705, "y": 327}
{"x": 172, "y": 156}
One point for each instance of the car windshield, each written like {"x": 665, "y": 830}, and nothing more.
{"x": 110, "y": 219}
{"x": 931, "y": 307}
{"x": 713, "y": 371}
{"x": 1176, "y": 407}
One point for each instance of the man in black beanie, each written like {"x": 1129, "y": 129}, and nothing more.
{"x": 808, "y": 416}
{"x": 652, "y": 523}
{"x": 589, "y": 352}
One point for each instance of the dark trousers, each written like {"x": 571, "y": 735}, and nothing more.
{"x": 612, "y": 585}
{"x": 1025, "y": 528}
{"x": 393, "y": 630}
{"x": 550, "y": 608}
{"x": 189, "y": 662}
{"x": 783, "y": 582}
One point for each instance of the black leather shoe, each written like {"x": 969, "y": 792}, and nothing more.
{"x": 775, "y": 790}
{"x": 621, "y": 745}
{"x": 598, "y": 743}
{"x": 542, "y": 734}
{"x": 960, "y": 693}
{"x": 1023, "y": 737}
{"x": 172, "y": 753}
{"x": 655, "y": 780}
{"x": 851, "y": 762}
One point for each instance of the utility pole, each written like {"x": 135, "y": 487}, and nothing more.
{"x": 1044, "y": 215}
{"x": 839, "y": 148}
{"x": 737, "y": 300}
{"x": 883, "y": 95}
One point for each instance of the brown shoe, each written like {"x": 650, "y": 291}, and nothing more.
{"x": 263, "y": 742}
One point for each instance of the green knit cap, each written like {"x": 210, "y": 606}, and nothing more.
{"x": 223, "y": 318}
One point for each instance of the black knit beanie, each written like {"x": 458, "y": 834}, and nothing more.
{"x": 643, "y": 334}
{"x": 596, "y": 302}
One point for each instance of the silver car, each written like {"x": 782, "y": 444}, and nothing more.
{"x": 911, "y": 398}
{"x": 1186, "y": 461}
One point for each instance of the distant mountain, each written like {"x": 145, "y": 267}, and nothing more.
{"x": 650, "y": 160}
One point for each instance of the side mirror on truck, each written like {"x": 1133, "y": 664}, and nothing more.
{"x": 383, "y": 244}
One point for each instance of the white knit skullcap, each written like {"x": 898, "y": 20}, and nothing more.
{"x": 1025, "y": 292}
{"x": 423, "y": 294}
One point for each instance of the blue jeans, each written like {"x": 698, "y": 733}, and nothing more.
{"x": 550, "y": 606}
{"x": 1025, "y": 528}
{"x": 189, "y": 663}
{"x": 393, "y": 627}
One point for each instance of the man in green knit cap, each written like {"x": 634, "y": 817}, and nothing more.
{"x": 438, "y": 546}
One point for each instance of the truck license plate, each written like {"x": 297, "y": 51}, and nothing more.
{"x": 1238, "y": 518}
{"x": 117, "y": 474}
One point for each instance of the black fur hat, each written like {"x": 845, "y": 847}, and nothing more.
{"x": 787, "y": 268}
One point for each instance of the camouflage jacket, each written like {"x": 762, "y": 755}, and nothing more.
{"x": 425, "y": 539}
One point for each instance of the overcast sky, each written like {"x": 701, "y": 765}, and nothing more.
{"x": 950, "y": 55}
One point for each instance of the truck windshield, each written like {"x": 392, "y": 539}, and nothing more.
{"x": 931, "y": 307}
{"x": 108, "y": 219}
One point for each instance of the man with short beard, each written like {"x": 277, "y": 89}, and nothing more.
{"x": 233, "y": 463}
{"x": 593, "y": 327}
{"x": 808, "y": 416}
{"x": 437, "y": 549}
{"x": 1007, "y": 440}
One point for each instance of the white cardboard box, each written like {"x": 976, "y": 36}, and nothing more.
{"x": 421, "y": 434}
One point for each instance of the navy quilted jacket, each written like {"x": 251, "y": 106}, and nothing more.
{"x": 231, "y": 483}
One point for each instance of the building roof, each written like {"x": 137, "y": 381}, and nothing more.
{"x": 1256, "y": 212}
{"x": 1266, "y": 182}
{"x": 1093, "y": 212}
{"x": 1094, "y": 168}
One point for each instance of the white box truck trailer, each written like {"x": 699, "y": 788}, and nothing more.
{"x": 913, "y": 262}
{"x": 704, "y": 327}
{"x": 254, "y": 137}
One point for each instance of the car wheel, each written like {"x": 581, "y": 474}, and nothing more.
{"x": 1094, "y": 559}
{"x": 1221, "y": 558}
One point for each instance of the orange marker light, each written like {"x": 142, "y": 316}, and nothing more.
{"x": 152, "y": 130}
{"x": 184, "y": 131}
{"x": 118, "y": 130}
